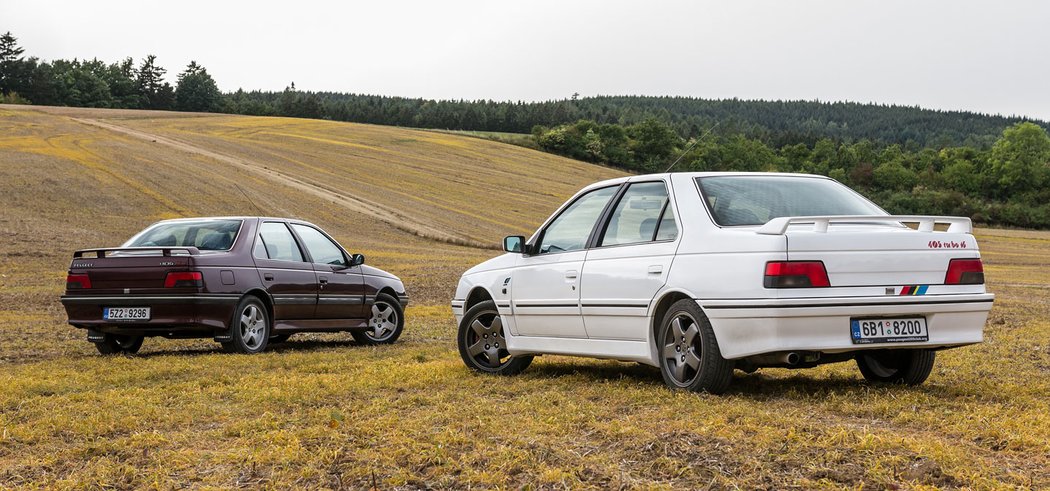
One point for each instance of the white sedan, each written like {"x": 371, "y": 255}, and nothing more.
{"x": 703, "y": 273}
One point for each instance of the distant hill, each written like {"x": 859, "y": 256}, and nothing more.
{"x": 776, "y": 123}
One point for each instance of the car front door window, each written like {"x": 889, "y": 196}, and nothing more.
{"x": 322, "y": 249}
{"x": 571, "y": 229}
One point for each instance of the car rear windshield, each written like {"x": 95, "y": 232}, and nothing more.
{"x": 206, "y": 235}
{"x": 754, "y": 200}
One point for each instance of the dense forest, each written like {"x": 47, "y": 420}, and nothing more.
{"x": 1006, "y": 184}
{"x": 993, "y": 168}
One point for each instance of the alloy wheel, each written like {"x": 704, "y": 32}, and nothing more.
{"x": 485, "y": 341}
{"x": 383, "y": 322}
{"x": 682, "y": 347}
{"x": 253, "y": 326}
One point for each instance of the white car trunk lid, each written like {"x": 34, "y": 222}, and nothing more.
{"x": 877, "y": 251}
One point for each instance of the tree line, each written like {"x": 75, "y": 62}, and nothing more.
{"x": 1005, "y": 184}
{"x": 127, "y": 84}
{"x": 911, "y": 160}
{"x": 94, "y": 83}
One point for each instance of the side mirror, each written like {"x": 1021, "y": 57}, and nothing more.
{"x": 514, "y": 243}
{"x": 357, "y": 259}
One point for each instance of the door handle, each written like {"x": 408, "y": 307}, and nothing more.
{"x": 268, "y": 276}
{"x": 571, "y": 275}
{"x": 656, "y": 269}
{"x": 322, "y": 280}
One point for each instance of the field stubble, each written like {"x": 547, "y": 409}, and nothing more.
{"x": 319, "y": 411}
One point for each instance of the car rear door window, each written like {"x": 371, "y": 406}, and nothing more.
{"x": 276, "y": 242}
{"x": 640, "y": 215}
{"x": 570, "y": 230}
{"x": 322, "y": 250}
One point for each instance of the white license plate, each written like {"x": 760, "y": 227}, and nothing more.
{"x": 125, "y": 313}
{"x": 899, "y": 330}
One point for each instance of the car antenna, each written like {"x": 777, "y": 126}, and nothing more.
{"x": 691, "y": 145}
{"x": 249, "y": 198}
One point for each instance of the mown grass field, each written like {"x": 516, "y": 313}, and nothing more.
{"x": 520, "y": 139}
{"x": 321, "y": 412}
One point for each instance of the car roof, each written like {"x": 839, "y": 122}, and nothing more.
{"x": 196, "y": 219}
{"x": 665, "y": 175}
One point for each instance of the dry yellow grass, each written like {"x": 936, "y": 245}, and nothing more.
{"x": 320, "y": 411}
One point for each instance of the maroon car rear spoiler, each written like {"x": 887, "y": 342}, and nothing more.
{"x": 165, "y": 251}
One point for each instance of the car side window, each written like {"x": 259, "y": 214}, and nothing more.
{"x": 321, "y": 248}
{"x": 668, "y": 229}
{"x": 276, "y": 242}
{"x": 570, "y": 230}
{"x": 639, "y": 215}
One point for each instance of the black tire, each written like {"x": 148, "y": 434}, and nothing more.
{"x": 482, "y": 344}
{"x": 249, "y": 327}
{"x": 902, "y": 366}
{"x": 115, "y": 344}
{"x": 279, "y": 338}
{"x": 385, "y": 324}
{"x": 689, "y": 355}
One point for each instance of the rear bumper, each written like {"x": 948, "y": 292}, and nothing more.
{"x": 205, "y": 313}
{"x": 750, "y": 327}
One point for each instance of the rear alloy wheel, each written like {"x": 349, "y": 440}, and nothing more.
{"x": 689, "y": 355}
{"x": 249, "y": 328}
{"x": 386, "y": 321}
{"x": 482, "y": 343}
{"x": 903, "y": 366}
{"x": 116, "y": 344}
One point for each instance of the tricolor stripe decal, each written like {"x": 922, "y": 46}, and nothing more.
{"x": 914, "y": 289}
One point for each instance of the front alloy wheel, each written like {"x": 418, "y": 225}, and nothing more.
{"x": 483, "y": 345}
{"x": 385, "y": 323}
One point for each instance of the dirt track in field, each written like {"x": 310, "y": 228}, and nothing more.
{"x": 357, "y": 204}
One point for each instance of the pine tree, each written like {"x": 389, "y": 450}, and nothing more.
{"x": 10, "y": 59}
{"x": 196, "y": 90}
{"x": 151, "y": 85}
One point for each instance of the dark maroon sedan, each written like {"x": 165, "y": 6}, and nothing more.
{"x": 244, "y": 281}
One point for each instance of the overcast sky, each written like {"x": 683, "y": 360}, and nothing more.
{"x": 991, "y": 57}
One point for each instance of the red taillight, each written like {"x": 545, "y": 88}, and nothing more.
{"x": 184, "y": 279}
{"x": 795, "y": 274}
{"x": 77, "y": 281}
{"x": 965, "y": 272}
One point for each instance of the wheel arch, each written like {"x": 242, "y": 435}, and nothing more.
{"x": 388, "y": 290}
{"x": 660, "y": 305}
{"x": 477, "y": 295}
{"x": 266, "y": 299}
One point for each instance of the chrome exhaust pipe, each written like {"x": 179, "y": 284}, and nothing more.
{"x": 784, "y": 359}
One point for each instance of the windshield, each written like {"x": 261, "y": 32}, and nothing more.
{"x": 754, "y": 200}
{"x": 206, "y": 235}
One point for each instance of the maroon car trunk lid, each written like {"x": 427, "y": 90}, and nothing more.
{"x": 121, "y": 271}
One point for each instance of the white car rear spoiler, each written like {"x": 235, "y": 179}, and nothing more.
{"x": 778, "y": 226}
